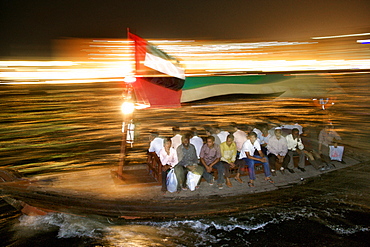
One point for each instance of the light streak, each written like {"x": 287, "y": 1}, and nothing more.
{"x": 341, "y": 36}
{"x": 364, "y": 41}
{"x": 107, "y": 60}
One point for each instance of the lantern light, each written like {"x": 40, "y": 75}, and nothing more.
{"x": 127, "y": 107}
{"x": 129, "y": 79}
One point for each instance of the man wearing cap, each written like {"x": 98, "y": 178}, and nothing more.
{"x": 277, "y": 149}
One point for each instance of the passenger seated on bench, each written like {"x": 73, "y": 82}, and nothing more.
{"x": 239, "y": 136}
{"x": 264, "y": 138}
{"x": 295, "y": 147}
{"x": 196, "y": 141}
{"x": 228, "y": 157}
{"x": 176, "y": 139}
{"x": 168, "y": 157}
{"x": 187, "y": 156}
{"x": 211, "y": 132}
{"x": 257, "y": 130}
{"x": 310, "y": 148}
{"x": 277, "y": 150}
{"x": 247, "y": 154}
{"x": 156, "y": 143}
{"x": 222, "y": 134}
{"x": 210, "y": 156}
{"x": 327, "y": 137}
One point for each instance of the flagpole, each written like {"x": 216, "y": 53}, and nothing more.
{"x": 127, "y": 110}
{"x": 122, "y": 157}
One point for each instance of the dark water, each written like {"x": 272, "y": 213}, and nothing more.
{"x": 48, "y": 129}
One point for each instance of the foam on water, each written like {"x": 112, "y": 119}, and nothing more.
{"x": 67, "y": 226}
{"x": 240, "y": 230}
{"x": 348, "y": 231}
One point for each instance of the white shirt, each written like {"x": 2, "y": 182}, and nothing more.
{"x": 277, "y": 146}
{"x": 223, "y": 136}
{"x": 272, "y": 131}
{"x": 156, "y": 145}
{"x": 294, "y": 126}
{"x": 250, "y": 148}
{"x": 176, "y": 141}
{"x": 292, "y": 144}
{"x": 239, "y": 137}
{"x": 168, "y": 159}
{"x": 198, "y": 143}
{"x": 264, "y": 139}
{"x": 327, "y": 137}
{"x": 217, "y": 140}
{"x": 258, "y": 132}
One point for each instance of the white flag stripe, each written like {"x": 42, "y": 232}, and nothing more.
{"x": 163, "y": 66}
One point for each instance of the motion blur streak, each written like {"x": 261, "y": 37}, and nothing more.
{"x": 94, "y": 60}
{"x": 342, "y": 36}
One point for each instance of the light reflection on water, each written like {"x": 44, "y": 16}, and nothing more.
{"x": 50, "y": 128}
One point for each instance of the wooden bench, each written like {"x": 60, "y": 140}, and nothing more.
{"x": 258, "y": 167}
{"x": 154, "y": 166}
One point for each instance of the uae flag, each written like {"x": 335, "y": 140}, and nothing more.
{"x": 159, "y": 79}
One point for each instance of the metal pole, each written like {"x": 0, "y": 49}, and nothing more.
{"x": 126, "y": 119}
{"x": 122, "y": 157}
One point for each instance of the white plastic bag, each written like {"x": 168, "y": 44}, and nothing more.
{"x": 336, "y": 153}
{"x": 192, "y": 180}
{"x": 171, "y": 181}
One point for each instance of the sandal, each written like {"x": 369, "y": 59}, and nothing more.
{"x": 269, "y": 180}
{"x": 251, "y": 184}
{"x": 239, "y": 180}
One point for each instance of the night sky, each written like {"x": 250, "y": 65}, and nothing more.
{"x": 32, "y": 25}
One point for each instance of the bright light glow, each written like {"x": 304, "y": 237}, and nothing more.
{"x": 127, "y": 107}
{"x": 364, "y": 41}
{"x": 342, "y": 36}
{"x": 139, "y": 106}
{"x": 63, "y": 72}
{"x": 37, "y": 63}
{"x": 129, "y": 79}
{"x": 62, "y": 81}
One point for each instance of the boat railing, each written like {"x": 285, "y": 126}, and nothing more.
{"x": 155, "y": 166}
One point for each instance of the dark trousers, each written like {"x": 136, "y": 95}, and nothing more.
{"x": 301, "y": 155}
{"x": 264, "y": 150}
{"x": 226, "y": 168}
{"x": 181, "y": 174}
{"x": 273, "y": 159}
{"x": 164, "y": 180}
{"x": 220, "y": 170}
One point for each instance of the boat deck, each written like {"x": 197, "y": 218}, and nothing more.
{"x": 137, "y": 183}
{"x": 138, "y": 195}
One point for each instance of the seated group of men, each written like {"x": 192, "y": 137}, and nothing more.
{"x": 188, "y": 152}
